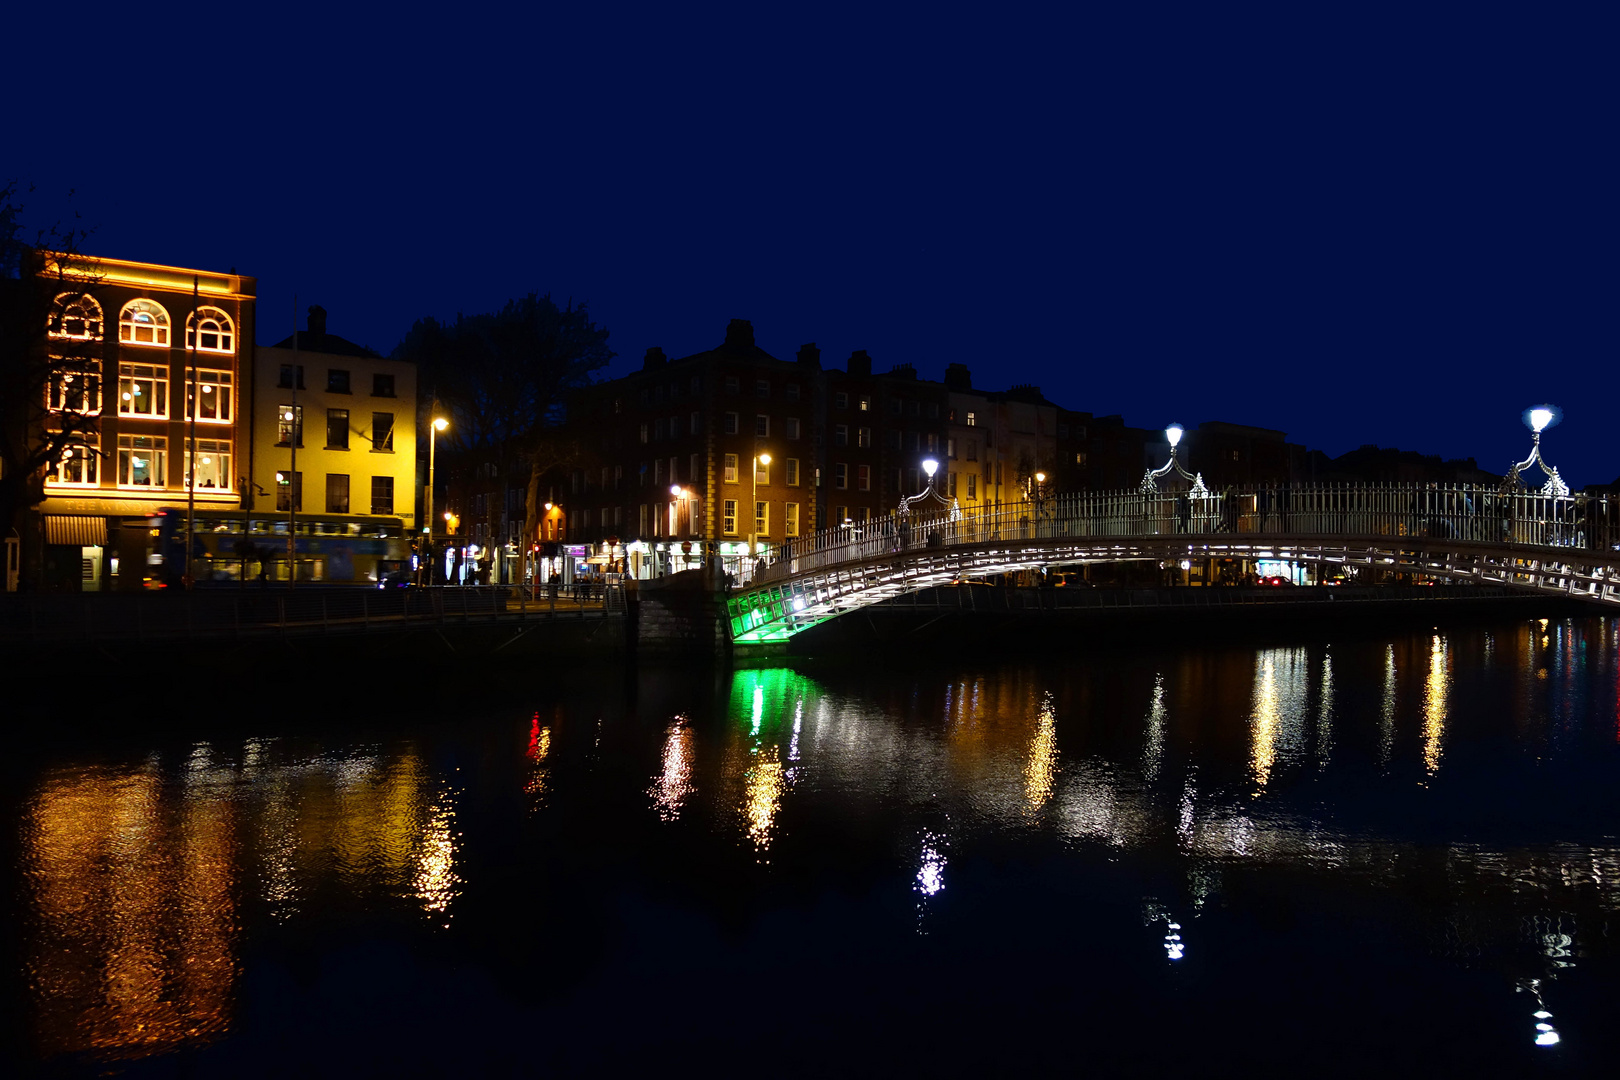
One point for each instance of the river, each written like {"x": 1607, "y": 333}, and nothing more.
{"x": 1327, "y": 853}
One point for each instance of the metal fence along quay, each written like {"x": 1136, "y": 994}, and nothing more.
{"x": 1568, "y": 545}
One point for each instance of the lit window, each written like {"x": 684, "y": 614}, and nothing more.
{"x": 143, "y": 390}
{"x": 211, "y": 464}
{"x": 762, "y": 472}
{"x": 75, "y": 385}
{"x": 75, "y": 317}
{"x": 973, "y": 485}
{"x": 731, "y": 468}
{"x": 382, "y": 432}
{"x": 78, "y": 464}
{"x": 863, "y": 437}
{"x": 289, "y": 490}
{"x": 865, "y": 404}
{"x": 143, "y": 322}
{"x": 142, "y": 460}
{"x": 728, "y": 523}
{"x": 971, "y": 419}
{"x": 762, "y": 518}
{"x": 210, "y": 330}
{"x": 213, "y": 394}
{"x": 790, "y": 518}
{"x": 289, "y": 425}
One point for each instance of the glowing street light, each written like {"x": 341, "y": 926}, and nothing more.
{"x": 439, "y": 424}
{"x": 753, "y": 502}
{"x": 1150, "y": 482}
{"x": 1539, "y": 418}
{"x": 930, "y": 466}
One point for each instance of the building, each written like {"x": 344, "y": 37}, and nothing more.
{"x": 998, "y": 441}
{"x": 356, "y": 466}
{"x": 879, "y": 430}
{"x": 152, "y": 361}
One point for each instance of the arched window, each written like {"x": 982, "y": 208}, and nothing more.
{"x": 210, "y": 330}
{"x": 143, "y": 322}
{"x": 75, "y": 317}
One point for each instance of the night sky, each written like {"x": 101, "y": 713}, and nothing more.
{"x": 1353, "y": 223}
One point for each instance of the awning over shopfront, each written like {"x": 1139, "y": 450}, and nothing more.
{"x": 75, "y": 531}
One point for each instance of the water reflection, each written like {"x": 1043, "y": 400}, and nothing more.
{"x": 1434, "y": 704}
{"x": 1281, "y": 690}
{"x": 673, "y": 783}
{"x": 1153, "y": 745}
{"x": 1042, "y": 767}
{"x": 136, "y": 877}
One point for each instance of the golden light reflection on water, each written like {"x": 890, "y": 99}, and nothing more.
{"x": 1277, "y": 718}
{"x": 1041, "y": 769}
{"x": 539, "y": 750}
{"x": 765, "y": 783}
{"x": 1265, "y": 720}
{"x": 135, "y": 877}
{"x": 1434, "y": 704}
{"x": 673, "y": 784}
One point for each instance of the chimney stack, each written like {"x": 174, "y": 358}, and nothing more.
{"x": 653, "y": 359}
{"x": 958, "y": 377}
{"x": 810, "y": 356}
{"x": 740, "y": 334}
{"x": 317, "y": 322}
{"x": 860, "y": 363}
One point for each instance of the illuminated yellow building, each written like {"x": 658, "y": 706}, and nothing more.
{"x": 134, "y": 346}
{"x": 352, "y": 415}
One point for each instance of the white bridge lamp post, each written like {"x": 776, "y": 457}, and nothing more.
{"x": 1150, "y": 481}
{"x": 1539, "y": 418}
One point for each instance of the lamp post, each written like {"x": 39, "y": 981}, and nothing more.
{"x": 439, "y": 424}
{"x": 753, "y": 502}
{"x": 1539, "y": 418}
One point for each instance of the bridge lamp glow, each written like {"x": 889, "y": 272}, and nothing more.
{"x": 1539, "y": 418}
{"x": 439, "y": 423}
{"x": 930, "y": 466}
{"x": 1174, "y": 433}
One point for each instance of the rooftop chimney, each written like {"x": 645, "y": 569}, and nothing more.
{"x": 317, "y": 321}
{"x": 655, "y": 358}
{"x": 860, "y": 363}
{"x": 810, "y": 356}
{"x": 958, "y": 377}
{"x": 740, "y": 334}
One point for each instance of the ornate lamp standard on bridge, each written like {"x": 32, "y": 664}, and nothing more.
{"x": 1150, "y": 481}
{"x": 1539, "y": 418}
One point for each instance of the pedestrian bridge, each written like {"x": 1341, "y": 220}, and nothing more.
{"x": 1537, "y": 541}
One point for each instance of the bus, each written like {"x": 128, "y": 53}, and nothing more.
{"x": 353, "y": 550}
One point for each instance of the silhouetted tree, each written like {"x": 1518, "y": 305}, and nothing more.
{"x": 48, "y": 354}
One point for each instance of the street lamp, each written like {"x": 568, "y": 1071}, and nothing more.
{"x": 439, "y": 424}
{"x": 1150, "y": 481}
{"x": 753, "y": 502}
{"x": 1539, "y": 418}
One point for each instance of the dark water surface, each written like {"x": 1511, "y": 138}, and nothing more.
{"x": 1394, "y": 853}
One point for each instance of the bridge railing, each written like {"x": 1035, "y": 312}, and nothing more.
{"x": 1381, "y": 511}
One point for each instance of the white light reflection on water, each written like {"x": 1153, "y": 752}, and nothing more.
{"x": 1153, "y": 745}
{"x": 1545, "y": 1033}
{"x": 1386, "y": 723}
{"x": 1324, "y": 716}
{"x": 673, "y": 784}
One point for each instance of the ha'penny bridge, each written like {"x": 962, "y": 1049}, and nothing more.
{"x": 1536, "y": 542}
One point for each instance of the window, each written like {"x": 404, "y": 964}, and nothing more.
{"x": 933, "y": 410}
{"x": 292, "y": 377}
{"x": 1080, "y": 457}
{"x": 728, "y": 522}
{"x": 762, "y": 426}
{"x": 289, "y": 425}
{"x": 973, "y": 485}
{"x": 143, "y": 322}
{"x": 382, "y": 432}
{"x": 337, "y": 493}
{"x": 841, "y": 514}
{"x": 950, "y": 448}
{"x": 697, "y": 385}
{"x": 951, "y": 486}
{"x": 840, "y": 434}
{"x": 382, "y": 386}
{"x": 1063, "y": 431}
{"x": 916, "y": 480}
{"x": 731, "y": 423}
{"x": 75, "y": 386}
{"x": 658, "y": 430}
{"x": 762, "y": 472}
{"x": 731, "y": 384}
{"x": 863, "y": 437}
{"x": 694, "y": 426}
{"x": 142, "y": 460}
{"x": 791, "y": 391}
{"x": 933, "y": 443}
{"x": 382, "y": 494}
{"x": 790, "y": 519}
{"x": 213, "y": 405}
{"x": 972, "y": 450}
{"x": 792, "y": 423}
{"x": 75, "y": 317}
{"x": 863, "y": 478}
{"x": 644, "y": 432}
{"x": 692, "y": 468}
{"x": 143, "y": 390}
{"x": 78, "y": 465}
{"x": 337, "y": 381}
{"x": 658, "y": 472}
{"x": 841, "y": 476}
{"x": 762, "y": 388}
{"x": 289, "y": 484}
{"x": 210, "y": 463}
{"x": 840, "y": 401}
{"x": 971, "y": 419}
{"x": 210, "y": 330}
{"x": 731, "y": 468}
{"x": 337, "y": 429}
{"x": 790, "y": 472}
{"x": 895, "y": 439}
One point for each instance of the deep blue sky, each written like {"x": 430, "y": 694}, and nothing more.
{"x": 1352, "y": 223}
